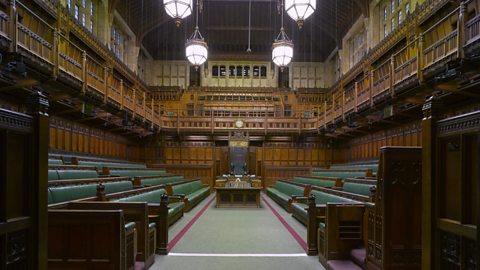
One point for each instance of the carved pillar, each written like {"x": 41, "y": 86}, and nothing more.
{"x": 84, "y": 71}
{"x": 121, "y": 94}
{"x": 431, "y": 109}
{"x": 12, "y": 24}
{"x": 105, "y": 80}
{"x": 312, "y": 226}
{"x": 420, "y": 59}
{"x": 392, "y": 75}
{"x": 55, "y": 53}
{"x": 162, "y": 226}
{"x": 461, "y": 30}
{"x": 38, "y": 105}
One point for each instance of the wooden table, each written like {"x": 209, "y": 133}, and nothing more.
{"x": 238, "y": 197}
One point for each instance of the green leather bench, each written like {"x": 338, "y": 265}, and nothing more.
{"x": 299, "y": 208}
{"x": 340, "y": 174}
{"x": 193, "y": 191}
{"x": 52, "y": 161}
{"x": 52, "y": 175}
{"x": 69, "y": 193}
{"x": 100, "y": 164}
{"x": 362, "y": 189}
{"x": 133, "y": 172}
{"x": 314, "y": 182}
{"x": 76, "y": 174}
{"x": 175, "y": 210}
{"x": 282, "y": 193}
{"x": 162, "y": 180}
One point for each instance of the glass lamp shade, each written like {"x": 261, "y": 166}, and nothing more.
{"x": 282, "y": 50}
{"x": 299, "y": 10}
{"x": 196, "y": 51}
{"x": 178, "y": 9}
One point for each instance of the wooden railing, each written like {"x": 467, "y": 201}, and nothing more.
{"x": 405, "y": 62}
{"x": 443, "y": 47}
{"x": 381, "y": 79}
{"x": 107, "y": 77}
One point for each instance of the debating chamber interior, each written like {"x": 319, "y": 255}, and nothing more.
{"x": 239, "y": 134}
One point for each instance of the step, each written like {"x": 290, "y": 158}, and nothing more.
{"x": 358, "y": 256}
{"x": 342, "y": 265}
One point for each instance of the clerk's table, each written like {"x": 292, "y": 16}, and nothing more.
{"x": 238, "y": 196}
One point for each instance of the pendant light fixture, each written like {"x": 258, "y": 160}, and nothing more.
{"x": 300, "y": 10}
{"x": 196, "y": 48}
{"x": 178, "y": 9}
{"x": 282, "y": 48}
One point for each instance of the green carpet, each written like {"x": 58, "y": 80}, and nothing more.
{"x": 237, "y": 231}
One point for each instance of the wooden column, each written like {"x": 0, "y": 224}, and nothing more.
{"x": 430, "y": 112}
{"x": 312, "y": 226}
{"x": 38, "y": 172}
{"x": 162, "y": 226}
{"x": 12, "y": 24}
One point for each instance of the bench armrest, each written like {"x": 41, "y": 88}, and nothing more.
{"x": 174, "y": 198}
{"x": 300, "y": 199}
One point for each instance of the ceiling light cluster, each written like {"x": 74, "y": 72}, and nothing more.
{"x": 196, "y": 48}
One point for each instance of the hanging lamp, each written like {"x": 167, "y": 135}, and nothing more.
{"x": 178, "y": 9}
{"x": 300, "y": 10}
{"x": 196, "y": 48}
{"x": 282, "y": 47}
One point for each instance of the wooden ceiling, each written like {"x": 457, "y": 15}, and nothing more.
{"x": 224, "y": 24}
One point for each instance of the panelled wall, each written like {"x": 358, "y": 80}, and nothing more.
{"x": 368, "y": 146}
{"x": 75, "y": 138}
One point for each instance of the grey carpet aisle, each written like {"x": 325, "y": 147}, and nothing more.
{"x": 237, "y": 232}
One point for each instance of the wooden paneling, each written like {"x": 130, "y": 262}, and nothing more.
{"x": 66, "y": 136}
{"x": 368, "y": 146}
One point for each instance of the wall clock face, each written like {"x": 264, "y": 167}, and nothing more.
{"x": 239, "y": 123}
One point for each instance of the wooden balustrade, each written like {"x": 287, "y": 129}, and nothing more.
{"x": 70, "y": 58}
{"x": 381, "y": 79}
{"x": 443, "y": 41}
{"x": 437, "y": 46}
{"x": 472, "y": 30}
{"x": 405, "y": 62}
{"x": 363, "y": 92}
{"x": 35, "y": 35}
{"x": 95, "y": 75}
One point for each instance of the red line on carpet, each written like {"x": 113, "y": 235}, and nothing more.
{"x": 187, "y": 227}
{"x": 294, "y": 234}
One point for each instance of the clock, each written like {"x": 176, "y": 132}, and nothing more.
{"x": 239, "y": 123}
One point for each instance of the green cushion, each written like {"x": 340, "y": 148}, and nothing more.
{"x": 55, "y": 161}
{"x": 69, "y": 193}
{"x": 373, "y": 167}
{"x": 175, "y": 208}
{"x": 50, "y": 198}
{"x": 162, "y": 180}
{"x": 340, "y": 174}
{"x": 133, "y": 173}
{"x": 299, "y": 208}
{"x": 314, "y": 182}
{"x": 362, "y": 189}
{"x": 182, "y": 189}
{"x": 52, "y": 175}
{"x": 149, "y": 197}
{"x": 289, "y": 189}
{"x": 76, "y": 174}
{"x": 114, "y": 187}
{"x": 324, "y": 198}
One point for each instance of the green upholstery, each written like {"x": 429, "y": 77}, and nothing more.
{"x": 52, "y": 175}
{"x": 101, "y": 164}
{"x": 373, "y": 167}
{"x": 174, "y": 208}
{"x": 149, "y": 197}
{"x": 114, "y": 187}
{"x": 133, "y": 173}
{"x": 162, "y": 180}
{"x": 70, "y": 193}
{"x": 75, "y": 192}
{"x": 282, "y": 192}
{"x": 314, "y": 182}
{"x": 340, "y": 174}
{"x": 362, "y": 189}
{"x": 55, "y": 161}
{"x": 76, "y": 174}
{"x": 299, "y": 209}
{"x": 194, "y": 191}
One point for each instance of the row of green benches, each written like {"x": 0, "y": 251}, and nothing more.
{"x": 63, "y": 172}
{"x": 177, "y": 197}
